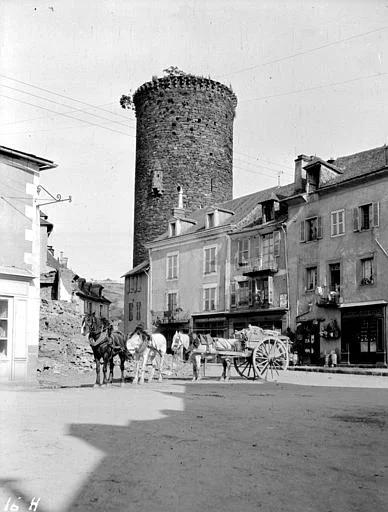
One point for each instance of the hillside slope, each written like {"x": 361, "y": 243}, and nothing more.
{"x": 114, "y": 291}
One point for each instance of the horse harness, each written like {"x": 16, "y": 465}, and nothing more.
{"x": 147, "y": 343}
{"x": 101, "y": 338}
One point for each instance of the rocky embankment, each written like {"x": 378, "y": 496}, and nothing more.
{"x": 66, "y": 356}
{"x": 61, "y": 344}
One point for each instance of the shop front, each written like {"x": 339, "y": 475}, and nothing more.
{"x": 19, "y": 323}
{"x": 363, "y": 333}
{"x": 273, "y": 319}
{"x": 216, "y": 325}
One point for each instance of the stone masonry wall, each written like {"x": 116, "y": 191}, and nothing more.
{"x": 185, "y": 132}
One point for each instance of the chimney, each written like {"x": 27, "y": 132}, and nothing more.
{"x": 180, "y": 211}
{"x": 62, "y": 260}
{"x": 300, "y": 173}
{"x": 331, "y": 161}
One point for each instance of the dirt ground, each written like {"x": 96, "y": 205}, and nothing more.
{"x": 179, "y": 446}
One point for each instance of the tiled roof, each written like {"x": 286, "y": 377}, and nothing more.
{"x": 139, "y": 268}
{"x": 43, "y": 163}
{"x": 241, "y": 206}
{"x": 51, "y": 261}
{"x": 361, "y": 163}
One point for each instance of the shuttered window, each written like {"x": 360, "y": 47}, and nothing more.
{"x": 172, "y": 266}
{"x": 366, "y": 216}
{"x": 311, "y": 229}
{"x": 209, "y": 260}
{"x": 337, "y": 222}
{"x": 243, "y": 251}
{"x": 311, "y": 278}
{"x": 233, "y": 301}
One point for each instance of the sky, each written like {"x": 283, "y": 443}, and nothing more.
{"x": 310, "y": 77}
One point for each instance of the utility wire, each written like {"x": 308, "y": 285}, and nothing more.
{"x": 244, "y": 162}
{"x": 66, "y": 115}
{"x": 62, "y": 96}
{"x": 303, "y": 52}
{"x": 256, "y": 158}
{"x": 257, "y": 164}
{"x": 64, "y": 105}
{"x": 376, "y": 75}
{"x": 45, "y": 117}
{"x": 256, "y": 173}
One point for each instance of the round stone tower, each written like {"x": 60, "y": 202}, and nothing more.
{"x": 184, "y": 136}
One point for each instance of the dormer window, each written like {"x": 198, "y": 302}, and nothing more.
{"x": 313, "y": 179}
{"x": 173, "y": 229}
{"x": 268, "y": 211}
{"x": 212, "y": 219}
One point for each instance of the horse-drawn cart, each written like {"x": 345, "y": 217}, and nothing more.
{"x": 256, "y": 353}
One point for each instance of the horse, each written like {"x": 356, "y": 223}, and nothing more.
{"x": 106, "y": 344}
{"x": 205, "y": 344}
{"x": 139, "y": 346}
{"x": 180, "y": 341}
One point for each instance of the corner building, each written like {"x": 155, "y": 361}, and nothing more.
{"x": 184, "y": 137}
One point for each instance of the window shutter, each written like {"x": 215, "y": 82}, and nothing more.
{"x": 375, "y": 214}
{"x": 302, "y": 231}
{"x": 333, "y": 222}
{"x": 260, "y": 212}
{"x": 356, "y": 219}
{"x": 251, "y": 291}
{"x": 276, "y": 244}
{"x": 319, "y": 227}
{"x": 232, "y": 294}
{"x": 270, "y": 290}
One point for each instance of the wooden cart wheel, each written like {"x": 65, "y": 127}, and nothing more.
{"x": 244, "y": 367}
{"x": 269, "y": 357}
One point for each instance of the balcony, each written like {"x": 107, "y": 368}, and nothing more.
{"x": 176, "y": 316}
{"x": 328, "y": 296}
{"x": 258, "y": 266}
{"x": 251, "y": 302}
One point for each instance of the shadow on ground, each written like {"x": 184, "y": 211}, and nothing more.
{"x": 242, "y": 447}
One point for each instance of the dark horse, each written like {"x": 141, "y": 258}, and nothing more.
{"x": 106, "y": 344}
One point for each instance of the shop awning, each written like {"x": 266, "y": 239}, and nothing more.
{"x": 366, "y": 303}
{"x": 309, "y": 316}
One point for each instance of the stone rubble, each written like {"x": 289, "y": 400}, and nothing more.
{"x": 64, "y": 351}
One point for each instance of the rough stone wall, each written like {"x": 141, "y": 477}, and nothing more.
{"x": 185, "y": 132}
{"x": 61, "y": 345}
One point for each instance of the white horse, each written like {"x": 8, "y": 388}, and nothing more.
{"x": 180, "y": 341}
{"x": 207, "y": 345}
{"x": 142, "y": 348}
